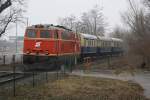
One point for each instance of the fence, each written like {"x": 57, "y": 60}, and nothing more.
{"x": 29, "y": 78}
{"x": 6, "y": 59}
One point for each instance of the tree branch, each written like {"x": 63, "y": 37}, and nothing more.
{"x": 5, "y": 5}
{"x": 6, "y": 25}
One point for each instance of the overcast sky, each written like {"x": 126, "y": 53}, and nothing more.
{"x": 48, "y": 11}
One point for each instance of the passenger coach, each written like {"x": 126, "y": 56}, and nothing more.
{"x": 96, "y": 46}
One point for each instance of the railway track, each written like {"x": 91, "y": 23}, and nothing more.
{"x": 10, "y": 77}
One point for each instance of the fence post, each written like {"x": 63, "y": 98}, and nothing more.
{"x": 14, "y": 75}
{"x": 47, "y": 77}
{"x": 21, "y": 58}
{"x": 109, "y": 58}
{"x": 57, "y": 67}
{"x": 33, "y": 79}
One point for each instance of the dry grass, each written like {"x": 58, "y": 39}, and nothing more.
{"x": 80, "y": 88}
{"x": 118, "y": 65}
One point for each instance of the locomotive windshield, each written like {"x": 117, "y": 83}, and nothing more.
{"x": 31, "y": 33}
{"x": 45, "y": 34}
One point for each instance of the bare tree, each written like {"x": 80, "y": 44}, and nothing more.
{"x": 91, "y": 22}
{"x": 138, "y": 23}
{"x": 4, "y": 5}
{"x": 134, "y": 18}
{"x": 147, "y": 15}
{"x": 68, "y": 22}
{"x": 147, "y": 3}
{"x": 94, "y": 21}
{"x": 118, "y": 32}
{"x": 10, "y": 12}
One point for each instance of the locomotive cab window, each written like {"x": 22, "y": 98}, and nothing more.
{"x": 55, "y": 35}
{"x": 66, "y": 35}
{"x": 31, "y": 33}
{"x": 45, "y": 34}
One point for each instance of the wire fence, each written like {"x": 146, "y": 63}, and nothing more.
{"x": 12, "y": 65}
{"x": 6, "y": 59}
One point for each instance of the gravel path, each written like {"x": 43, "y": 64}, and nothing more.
{"x": 142, "y": 78}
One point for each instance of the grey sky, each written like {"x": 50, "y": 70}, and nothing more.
{"x": 48, "y": 11}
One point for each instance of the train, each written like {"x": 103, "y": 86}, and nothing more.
{"x": 48, "y": 47}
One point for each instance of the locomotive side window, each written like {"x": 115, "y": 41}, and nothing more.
{"x": 31, "y": 33}
{"x": 45, "y": 34}
{"x": 66, "y": 35}
{"x": 55, "y": 35}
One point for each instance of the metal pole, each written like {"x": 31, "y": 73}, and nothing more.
{"x": 57, "y": 59}
{"x": 57, "y": 68}
{"x": 4, "y": 57}
{"x": 16, "y": 34}
{"x": 27, "y": 21}
{"x": 108, "y": 60}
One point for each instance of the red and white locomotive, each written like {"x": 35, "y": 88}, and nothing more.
{"x": 50, "y": 44}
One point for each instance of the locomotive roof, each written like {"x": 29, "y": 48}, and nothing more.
{"x": 89, "y": 36}
{"x": 48, "y": 26}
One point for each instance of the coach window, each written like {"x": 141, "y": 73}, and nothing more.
{"x": 31, "y": 33}
{"x": 115, "y": 44}
{"x": 88, "y": 42}
{"x": 108, "y": 44}
{"x": 93, "y": 43}
{"x": 98, "y": 43}
{"x": 84, "y": 42}
{"x": 45, "y": 34}
{"x": 104, "y": 43}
